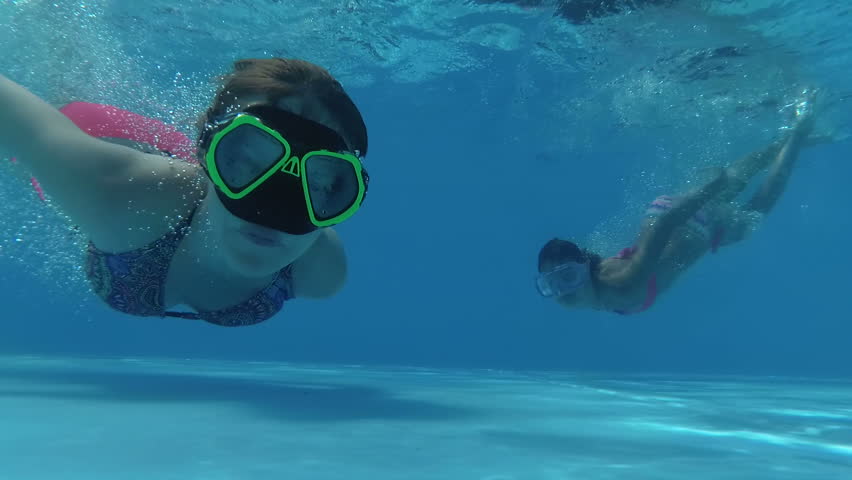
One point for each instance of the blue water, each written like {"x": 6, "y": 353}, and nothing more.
{"x": 492, "y": 129}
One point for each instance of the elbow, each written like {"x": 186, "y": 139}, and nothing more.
{"x": 331, "y": 284}
{"x": 321, "y": 285}
{"x": 322, "y": 272}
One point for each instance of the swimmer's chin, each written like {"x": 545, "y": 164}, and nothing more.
{"x": 256, "y": 262}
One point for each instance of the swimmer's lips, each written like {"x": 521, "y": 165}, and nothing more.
{"x": 262, "y": 237}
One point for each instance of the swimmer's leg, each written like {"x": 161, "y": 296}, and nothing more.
{"x": 779, "y": 158}
{"x": 742, "y": 171}
{"x": 780, "y": 169}
{"x": 742, "y": 221}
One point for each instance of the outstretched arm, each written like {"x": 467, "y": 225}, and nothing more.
{"x": 91, "y": 181}
{"x": 653, "y": 239}
{"x": 780, "y": 170}
{"x": 41, "y": 136}
{"x": 72, "y": 166}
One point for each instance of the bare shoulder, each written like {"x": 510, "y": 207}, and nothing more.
{"x": 618, "y": 289}
{"x": 321, "y": 271}
{"x": 611, "y": 269}
{"x": 141, "y": 203}
{"x": 617, "y": 276}
{"x": 159, "y": 171}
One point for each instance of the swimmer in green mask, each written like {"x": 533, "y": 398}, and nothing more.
{"x": 232, "y": 233}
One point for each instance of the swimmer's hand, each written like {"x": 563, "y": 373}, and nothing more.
{"x": 805, "y": 124}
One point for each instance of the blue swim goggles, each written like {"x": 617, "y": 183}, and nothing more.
{"x": 563, "y": 280}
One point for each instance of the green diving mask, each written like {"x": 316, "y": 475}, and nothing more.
{"x": 282, "y": 171}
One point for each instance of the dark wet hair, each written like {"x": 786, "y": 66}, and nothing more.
{"x": 279, "y": 78}
{"x": 558, "y": 251}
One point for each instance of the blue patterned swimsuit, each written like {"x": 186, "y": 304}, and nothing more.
{"x": 133, "y": 282}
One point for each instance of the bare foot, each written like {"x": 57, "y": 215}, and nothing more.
{"x": 820, "y": 138}
{"x": 804, "y": 124}
{"x": 806, "y": 107}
